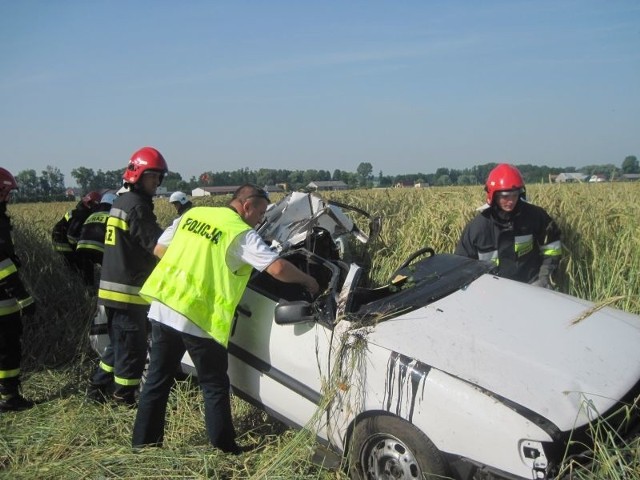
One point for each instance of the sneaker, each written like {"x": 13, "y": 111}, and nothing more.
{"x": 14, "y": 403}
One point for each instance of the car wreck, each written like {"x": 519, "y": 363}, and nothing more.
{"x": 432, "y": 373}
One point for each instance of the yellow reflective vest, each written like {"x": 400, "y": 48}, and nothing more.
{"x": 193, "y": 278}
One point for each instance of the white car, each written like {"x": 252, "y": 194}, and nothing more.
{"x": 447, "y": 370}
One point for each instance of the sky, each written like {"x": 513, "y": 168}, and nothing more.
{"x": 408, "y": 86}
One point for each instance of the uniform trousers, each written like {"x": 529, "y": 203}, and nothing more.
{"x": 10, "y": 349}
{"x": 123, "y": 361}
{"x": 210, "y": 359}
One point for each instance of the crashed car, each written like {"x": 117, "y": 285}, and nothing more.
{"x": 446, "y": 370}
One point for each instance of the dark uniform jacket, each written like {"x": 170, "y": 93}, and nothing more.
{"x": 66, "y": 232}
{"x": 91, "y": 241}
{"x": 131, "y": 235}
{"x": 523, "y": 244}
{"x": 14, "y": 298}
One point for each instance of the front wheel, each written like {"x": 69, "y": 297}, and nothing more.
{"x": 386, "y": 447}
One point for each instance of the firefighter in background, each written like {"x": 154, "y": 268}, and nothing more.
{"x": 521, "y": 239}
{"x": 66, "y": 233}
{"x": 91, "y": 242}
{"x": 131, "y": 235}
{"x": 15, "y": 302}
{"x": 180, "y": 201}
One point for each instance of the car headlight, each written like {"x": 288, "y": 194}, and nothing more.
{"x": 532, "y": 454}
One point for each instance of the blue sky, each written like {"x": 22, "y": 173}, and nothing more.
{"x": 408, "y": 86}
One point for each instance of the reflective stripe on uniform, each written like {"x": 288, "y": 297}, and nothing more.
{"x": 25, "y": 302}
{"x": 121, "y": 297}
{"x": 7, "y": 267}
{"x": 7, "y": 307}
{"x": 119, "y": 292}
{"x": 553, "y": 249}
{"x": 119, "y": 287}
{"x": 90, "y": 245}
{"x": 118, "y": 219}
{"x": 10, "y": 373}
{"x": 523, "y": 244}
{"x": 491, "y": 256}
{"x": 127, "y": 382}
{"x": 62, "y": 247}
{"x": 106, "y": 368}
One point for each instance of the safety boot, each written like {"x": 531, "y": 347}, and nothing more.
{"x": 11, "y": 400}
{"x": 98, "y": 393}
{"x": 125, "y": 396}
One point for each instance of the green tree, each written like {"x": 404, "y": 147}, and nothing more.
{"x": 111, "y": 179}
{"x": 443, "y": 180}
{"x": 173, "y": 182}
{"x": 364, "y": 171}
{"x": 630, "y": 165}
{"x": 84, "y": 177}
{"x": 28, "y": 183}
{"x": 54, "y": 179}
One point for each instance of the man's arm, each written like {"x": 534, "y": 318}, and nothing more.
{"x": 287, "y": 272}
{"x": 159, "y": 250}
{"x": 165, "y": 239}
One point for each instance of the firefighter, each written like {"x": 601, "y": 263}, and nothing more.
{"x": 91, "y": 241}
{"x": 180, "y": 201}
{"x": 15, "y": 302}
{"x": 206, "y": 262}
{"x": 521, "y": 239}
{"x": 131, "y": 235}
{"x": 66, "y": 233}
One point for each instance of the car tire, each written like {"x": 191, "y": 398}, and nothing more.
{"x": 386, "y": 447}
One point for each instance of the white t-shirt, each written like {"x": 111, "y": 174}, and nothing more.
{"x": 247, "y": 248}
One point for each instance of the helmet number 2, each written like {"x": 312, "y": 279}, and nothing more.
{"x": 110, "y": 235}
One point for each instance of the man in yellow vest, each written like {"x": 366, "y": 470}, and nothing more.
{"x": 206, "y": 260}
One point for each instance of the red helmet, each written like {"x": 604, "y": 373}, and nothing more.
{"x": 504, "y": 177}
{"x": 145, "y": 159}
{"x": 91, "y": 199}
{"x": 7, "y": 181}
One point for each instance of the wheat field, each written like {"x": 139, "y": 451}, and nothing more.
{"x": 64, "y": 437}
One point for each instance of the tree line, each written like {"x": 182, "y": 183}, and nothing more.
{"x": 50, "y": 184}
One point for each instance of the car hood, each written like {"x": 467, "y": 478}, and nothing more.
{"x": 545, "y": 351}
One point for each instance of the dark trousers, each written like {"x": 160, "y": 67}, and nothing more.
{"x": 123, "y": 362}
{"x": 10, "y": 350}
{"x": 210, "y": 359}
{"x": 80, "y": 264}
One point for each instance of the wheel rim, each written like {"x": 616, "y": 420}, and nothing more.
{"x": 383, "y": 457}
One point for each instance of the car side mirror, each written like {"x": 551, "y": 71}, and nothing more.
{"x": 289, "y": 313}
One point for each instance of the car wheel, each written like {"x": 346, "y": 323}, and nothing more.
{"x": 387, "y": 447}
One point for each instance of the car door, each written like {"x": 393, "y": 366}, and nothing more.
{"x": 280, "y": 368}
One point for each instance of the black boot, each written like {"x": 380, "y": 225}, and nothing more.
{"x": 98, "y": 393}
{"x": 11, "y": 400}
{"x": 125, "y": 396}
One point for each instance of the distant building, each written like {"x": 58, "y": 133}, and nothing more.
{"x": 207, "y": 191}
{"x": 597, "y": 179}
{"x": 325, "y": 186}
{"x": 404, "y": 185}
{"x": 274, "y": 189}
{"x": 73, "y": 193}
{"x": 566, "y": 177}
{"x": 630, "y": 177}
